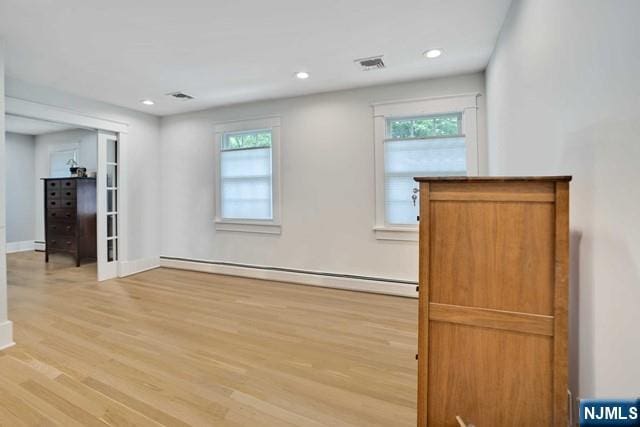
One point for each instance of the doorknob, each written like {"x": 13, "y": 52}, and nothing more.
{"x": 462, "y": 423}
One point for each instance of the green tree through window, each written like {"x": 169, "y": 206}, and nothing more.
{"x": 237, "y": 141}
{"x": 424, "y": 127}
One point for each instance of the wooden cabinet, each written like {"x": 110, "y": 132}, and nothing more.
{"x": 70, "y": 217}
{"x": 493, "y": 301}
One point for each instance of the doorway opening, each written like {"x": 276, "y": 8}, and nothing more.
{"x": 64, "y": 192}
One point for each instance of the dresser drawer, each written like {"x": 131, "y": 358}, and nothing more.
{"x": 57, "y": 184}
{"x": 61, "y": 228}
{"x": 53, "y": 193}
{"x": 61, "y": 214}
{"x": 61, "y": 243}
{"x": 68, "y": 183}
{"x": 53, "y": 184}
{"x": 68, "y": 203}
{"x": 68, "y": 193}
{"x": 61, "y": 203}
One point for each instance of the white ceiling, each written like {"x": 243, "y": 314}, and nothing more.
{"x": 222, "y": 52}
{"x": 27, "y": 126}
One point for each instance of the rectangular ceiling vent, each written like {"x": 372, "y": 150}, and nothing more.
{"x": 180, "y": 96}
{"x": 371, "y": 63}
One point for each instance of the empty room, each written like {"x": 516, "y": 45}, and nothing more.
{"x": 357, "y": 213}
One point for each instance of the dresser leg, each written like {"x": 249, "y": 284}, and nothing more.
{"x": 46, "y": 256}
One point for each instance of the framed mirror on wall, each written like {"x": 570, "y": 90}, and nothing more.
{"x": 60, "y": 162}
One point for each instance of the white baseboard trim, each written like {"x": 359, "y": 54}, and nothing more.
{"x": 27, "y": 245}
{"x": 40, "y": 246}
{"x": 128, "y": 268}
{"x": 326, "y": 280}
{"x": 6, "y": 335}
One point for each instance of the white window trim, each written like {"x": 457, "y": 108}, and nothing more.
{"x": 271, "y": 226}
{"x": 465, "y": 104}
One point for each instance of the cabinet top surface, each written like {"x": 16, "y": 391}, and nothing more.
{"x": 491, "y": 178}
{"x": 69, "y": 177}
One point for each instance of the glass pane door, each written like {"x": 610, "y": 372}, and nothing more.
{"x": 108, "y": 188}
{"x": 112, "y": 199}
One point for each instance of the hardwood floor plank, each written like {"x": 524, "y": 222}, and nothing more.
{"x": 20, "y": 413}
{"x": 132, "y": 402}
{"x": 178, "y": 348}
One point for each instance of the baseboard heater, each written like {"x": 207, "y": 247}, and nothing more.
{"x": 313, "y": 278}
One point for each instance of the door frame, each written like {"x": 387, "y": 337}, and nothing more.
{"x": 36, "y": 110}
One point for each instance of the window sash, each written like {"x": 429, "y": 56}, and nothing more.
{"x": 398, "y": 177}
{"x": 239, "y": 199}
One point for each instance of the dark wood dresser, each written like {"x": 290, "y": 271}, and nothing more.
{"x": 70, "y": 217}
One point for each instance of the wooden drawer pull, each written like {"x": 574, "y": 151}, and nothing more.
{"x": 462, "y": 423}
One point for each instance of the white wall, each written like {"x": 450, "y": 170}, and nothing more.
{"x": 328, "y": 187}
{"x": 86, "y": 141}
{"x": 20, "y": 195}
{"x": 141, "y": 150}
{"x": 564, "y": 98}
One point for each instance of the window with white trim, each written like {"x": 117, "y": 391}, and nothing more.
{"x": 431, "y": 137}
{"x": 248, "y": 176}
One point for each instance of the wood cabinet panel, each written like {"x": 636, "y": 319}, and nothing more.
{"x": 493, "y": 303}
{"x": 509, "y": 369}
{"x": 493, "y": 255}
{"x": 525, "y": 191}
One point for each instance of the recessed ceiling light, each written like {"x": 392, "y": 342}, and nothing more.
{"x": 147, "y": 102}
{"x": 433, "y": 53}
{"x": 302, "y": 75}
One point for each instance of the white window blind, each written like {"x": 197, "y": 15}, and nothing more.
{"x": 246, "y": 175}
{"x": 421, "y": 146}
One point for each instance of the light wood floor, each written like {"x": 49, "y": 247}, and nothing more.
{"x": 176, "y": 348}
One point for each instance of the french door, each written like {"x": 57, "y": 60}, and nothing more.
{"x": 108, "y": 203}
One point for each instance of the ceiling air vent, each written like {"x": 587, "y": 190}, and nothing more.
{"x": 371, "y": 63}
{"x": 180, "y": 96}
